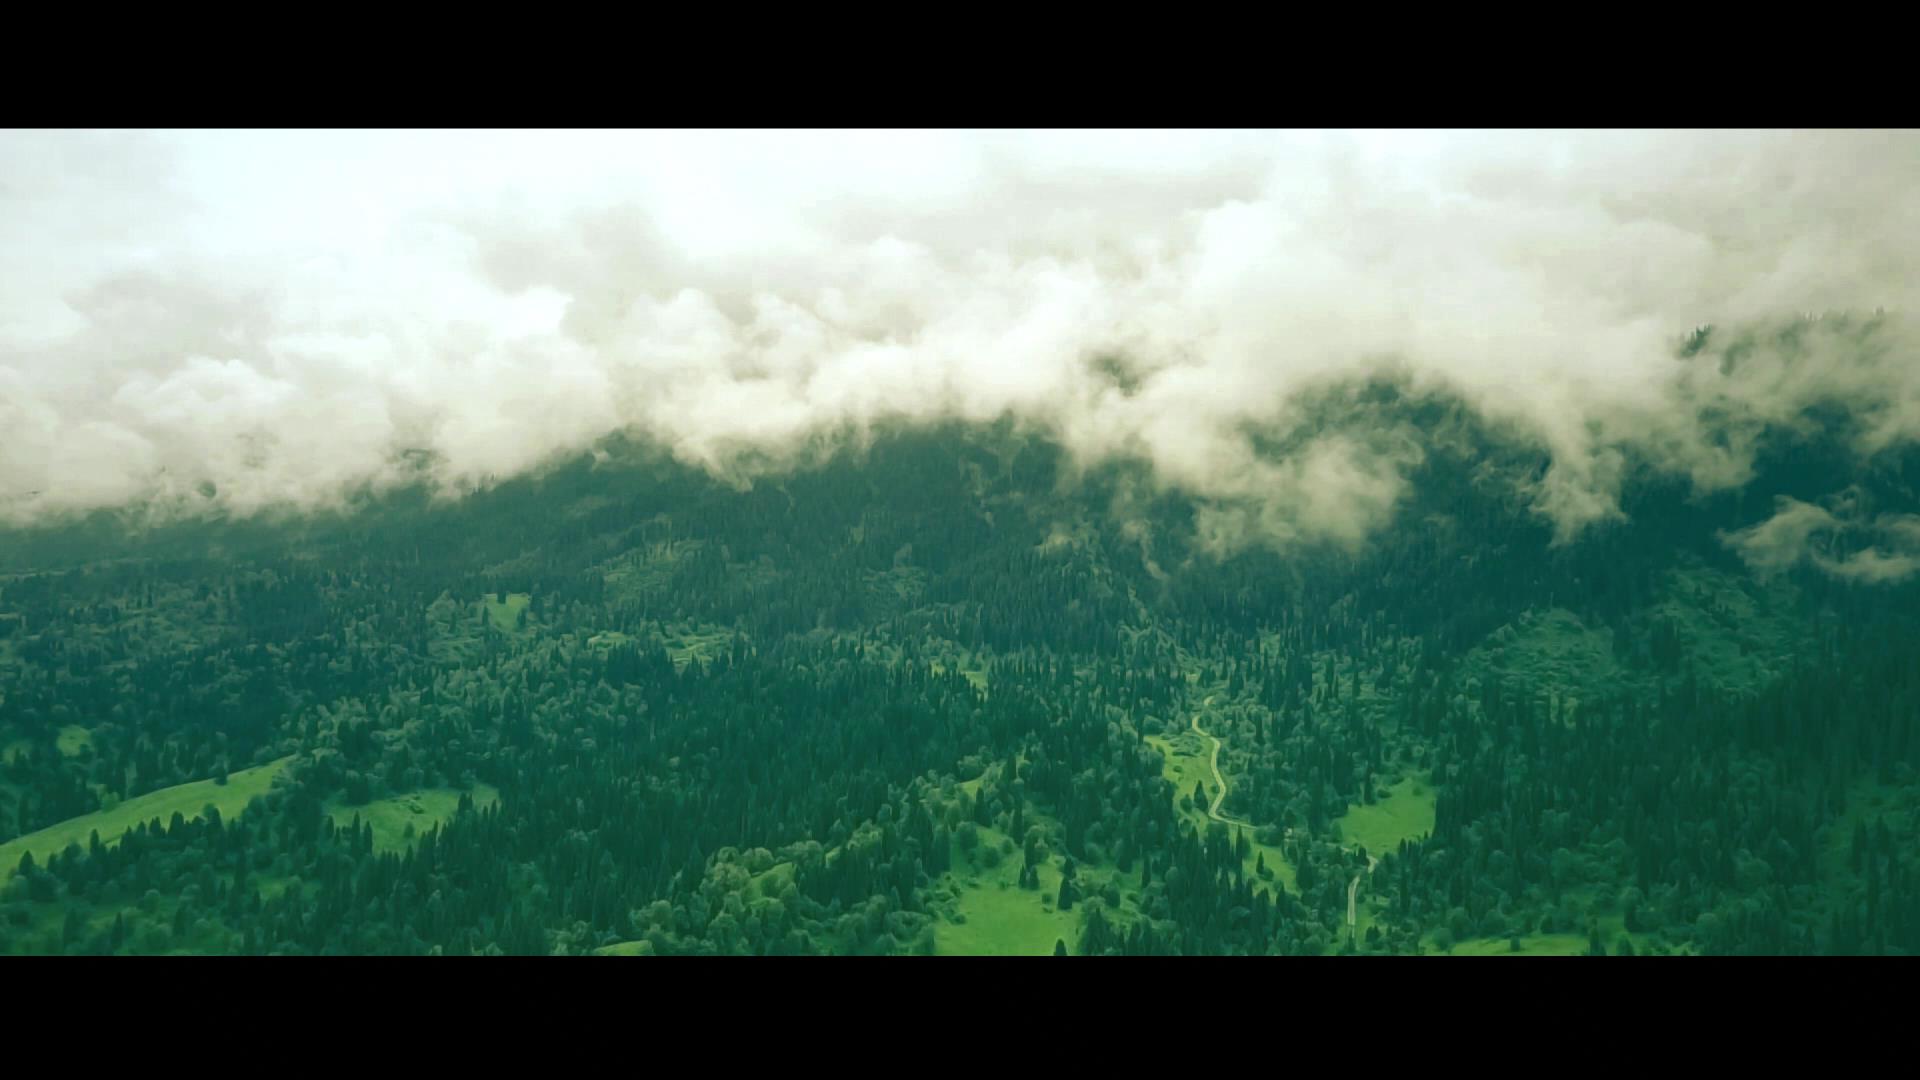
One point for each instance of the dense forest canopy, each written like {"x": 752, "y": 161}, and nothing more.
{"x": 951, "y": 691}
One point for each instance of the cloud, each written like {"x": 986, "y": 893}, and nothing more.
{"x": 1872, "y": 566}
{"x": 1783, "y": 540}
{"x": 1803, "y": 533}
{"x": 240, "y": 320}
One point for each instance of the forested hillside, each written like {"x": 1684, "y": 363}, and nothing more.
{"x": 948, "y": 692}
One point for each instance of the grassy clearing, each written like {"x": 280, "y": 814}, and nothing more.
{"x": 1186, "y": 764}
{"x": 999, "y": 917}
{"x": 626, "y": 948}
{"x": 768, "y": 884}
{"x": 188, "y": 800}
{"x": 419, "y": 811}
{"x": 505, "y": 614}
{"x": 1405, "y": 814}
{"x": 1004, "y": 920}
{"x": 73, "y": 739}
{"x": 984, "y": 912}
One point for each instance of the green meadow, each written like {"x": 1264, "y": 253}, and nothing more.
{"x": 1405, "y": 814}
{"x": 397, "y": 821}
{"x": 189, "y": 800}
{"x": 995, "y": 916}
{"x": 505, "y": 614}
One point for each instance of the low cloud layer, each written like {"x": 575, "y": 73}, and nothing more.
{"x": 239, "y": 321}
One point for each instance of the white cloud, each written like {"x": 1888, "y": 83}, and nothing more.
{"x": 1830, "y": 540}
{"x": 278, "y": 314}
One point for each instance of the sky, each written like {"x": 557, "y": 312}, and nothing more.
{"x": 238, "y": 321}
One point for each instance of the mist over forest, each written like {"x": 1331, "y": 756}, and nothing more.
{"x": 939, "y": 542}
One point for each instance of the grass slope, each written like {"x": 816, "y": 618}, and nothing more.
{"x": 189, "y": 800}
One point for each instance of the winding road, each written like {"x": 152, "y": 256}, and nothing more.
{"x": 1219, "y": 781}
{"x": 1220, "y": 796}
{"x": 1353, "y": 893}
